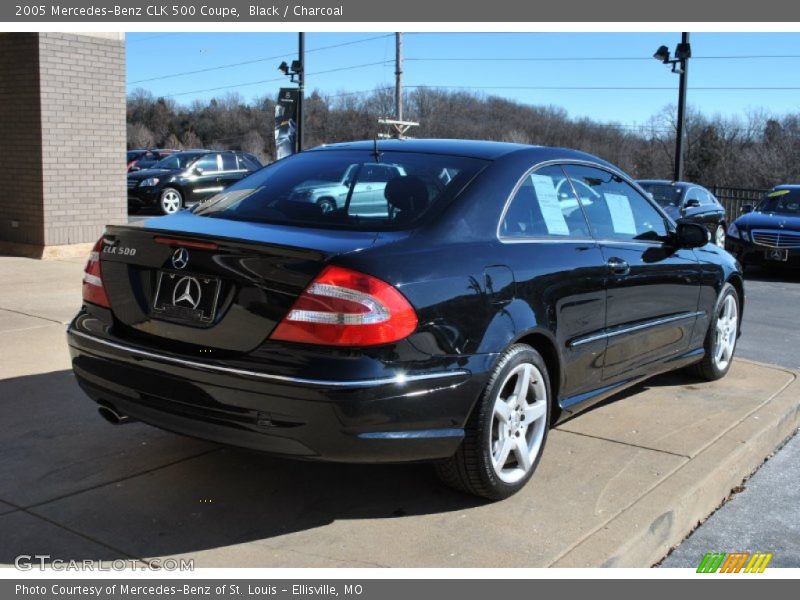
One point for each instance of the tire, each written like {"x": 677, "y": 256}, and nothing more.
{"x": 170, "y": 201}
{"x": 326, "y": 205}
{"x": 488, "y": 436}
{"x": 720, "y": 342}
{"x": 718, "y": 235}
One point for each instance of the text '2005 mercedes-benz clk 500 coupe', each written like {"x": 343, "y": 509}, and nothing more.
{"x": 489, "y": 291}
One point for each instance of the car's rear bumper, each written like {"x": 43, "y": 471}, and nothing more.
{"x": 754, "y": 254}
{"x": 417, "y": 415}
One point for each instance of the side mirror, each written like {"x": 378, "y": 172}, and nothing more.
{"x": 746, "y": 208}
{"x": 198, "y": 170}
{"x": 691, "y": 235}
{"x": 692, "y": 203}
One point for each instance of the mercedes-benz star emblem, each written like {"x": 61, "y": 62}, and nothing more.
{"x": 187, "y": 292}
{"x": 180, "y": 258}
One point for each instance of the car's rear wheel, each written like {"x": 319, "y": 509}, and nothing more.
{"x": 506, "y": 433}
{"x": 720, "y": 343}
{"x": 719, "y": 236}
{"x": 170, "y": 201}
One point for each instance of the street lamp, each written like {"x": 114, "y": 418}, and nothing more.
{"x": 680, "y": 65}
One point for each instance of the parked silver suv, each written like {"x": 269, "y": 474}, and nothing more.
{"x": 367, "y": 198}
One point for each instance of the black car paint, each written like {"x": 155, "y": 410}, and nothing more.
{"x": 474, "y": 294}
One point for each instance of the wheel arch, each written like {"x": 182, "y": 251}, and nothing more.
{"x": 545, "y": 344}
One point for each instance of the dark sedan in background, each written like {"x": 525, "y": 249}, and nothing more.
{"x": 769, "y": 233}
{"x": 690, "y": 202}
{"x": 186, "y": 178}
{"x": 455, "y": 325}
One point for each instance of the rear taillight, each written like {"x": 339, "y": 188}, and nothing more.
{"x": 93, "y": 290}
{"x": 347, "y": 308}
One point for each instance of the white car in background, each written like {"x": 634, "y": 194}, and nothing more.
{"x": 367, "y": 198}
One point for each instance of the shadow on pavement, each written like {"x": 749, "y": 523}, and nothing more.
{"x": 777, "y": 274}
{"x": 149, "y": 492}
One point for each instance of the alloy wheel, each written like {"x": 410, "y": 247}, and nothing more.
{"x": 725, "y": 333}
{"x": 170, "y": 202}
{"x": 518, "y": 423}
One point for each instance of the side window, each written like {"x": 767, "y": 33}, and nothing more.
{"x": 228, "y": 162}
{"x": 706, "y": 198}
{"x": 207, "y": 163}
{"x": 247, "y": 164}
{"x": 615, "y": 210}
{"x": 696, "y": 194}
{"x": 544, "y": 206}
{"x": 374, "y": 174}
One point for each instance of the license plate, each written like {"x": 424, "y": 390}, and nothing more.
{"x": 186, "y": 296}
{"x": 778, "y": 254}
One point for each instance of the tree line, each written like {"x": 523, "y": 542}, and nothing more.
{"x": 756, "y": 150}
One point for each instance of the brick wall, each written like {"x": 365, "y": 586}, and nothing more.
{"x": 21, "y": 205}
{"x": 67, "y": 144}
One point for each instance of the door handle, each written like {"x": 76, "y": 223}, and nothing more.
{"x": 618, "y": 266}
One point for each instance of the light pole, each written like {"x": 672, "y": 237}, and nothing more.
{"x": 296, "y": 74}
{"x": 680, "y": 65}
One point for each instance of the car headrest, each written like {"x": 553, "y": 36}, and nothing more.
{"x": 406, "y": 194}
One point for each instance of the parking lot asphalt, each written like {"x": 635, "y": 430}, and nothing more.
{"x": 765, "y": 515}
{"x": 617, "y": 486}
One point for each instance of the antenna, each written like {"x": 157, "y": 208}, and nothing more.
{"x": 375, "y": 152}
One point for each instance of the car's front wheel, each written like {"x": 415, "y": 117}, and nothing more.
{"x": 506, "y": 433}
{"x": 720, "y": 343}
{"x": 326, "y": 205}
{"x": 170, "y": 201}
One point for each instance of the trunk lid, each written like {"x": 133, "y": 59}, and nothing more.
{"x": 208, "y": 286}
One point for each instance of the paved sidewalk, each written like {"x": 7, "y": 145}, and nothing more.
{"x": 617, "y": 486}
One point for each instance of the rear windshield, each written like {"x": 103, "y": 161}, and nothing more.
{"x": 781, "y": 201}
{"x": 345, "y": 189}
{"x": 666, "y": 195}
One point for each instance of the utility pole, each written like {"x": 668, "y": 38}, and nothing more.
{"x": 301, "y": 82}
{"x": 398, "y": 126}
{"x": 398, "y": 76}
{"x": 684, "y": 73}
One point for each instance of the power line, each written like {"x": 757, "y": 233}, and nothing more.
{"x": 258, "y": 60}
{"x": 245, "y": 84}
{"x": 589, "y": 58}
{"x": 600, "y": 88}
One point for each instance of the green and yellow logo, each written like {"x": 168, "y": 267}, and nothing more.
{"x": 735, "y": 562}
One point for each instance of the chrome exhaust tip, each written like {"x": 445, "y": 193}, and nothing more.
{"x": 110, "y": 414}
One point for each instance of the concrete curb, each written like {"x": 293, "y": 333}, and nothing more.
{"x": 645, "y": 532}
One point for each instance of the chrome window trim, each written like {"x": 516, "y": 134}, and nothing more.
{"x": 594, "y": 337}
{"x": 396, "y": 380}
{"x": 586, "y": 163}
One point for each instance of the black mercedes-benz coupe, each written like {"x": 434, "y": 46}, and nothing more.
{"x": 501, "y": 289}
{"x": 769, "y": 233}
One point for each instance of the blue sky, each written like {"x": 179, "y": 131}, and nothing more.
{"x": 773, "y": 62}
